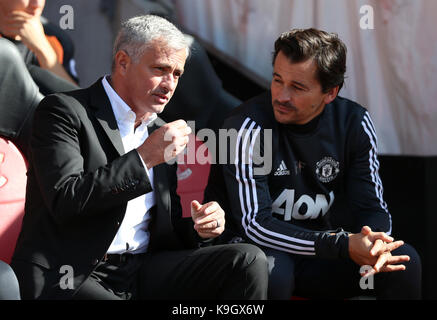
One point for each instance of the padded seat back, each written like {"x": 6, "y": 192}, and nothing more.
{"x": 193, "y": 174}
{"x": 12, "y": 197}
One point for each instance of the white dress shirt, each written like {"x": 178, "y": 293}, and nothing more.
{"x": 133, "y": 235}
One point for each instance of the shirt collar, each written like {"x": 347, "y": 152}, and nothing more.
{"x": 122, "y": 112}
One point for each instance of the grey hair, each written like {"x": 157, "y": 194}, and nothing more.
{"x": 138, "y": 33}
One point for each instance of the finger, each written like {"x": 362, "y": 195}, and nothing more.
{"x": 208, "y": 226}
{"x": 179, "y": 137}
{"x": 397, "y": 259}
{"x": 18, "y": 17}
{"x": 187, "y": 130}
{"x": 382, "y": 259}
{"x": 392, "y": 268}
{"x": 211, "y": 216}
{"x": 387, "y": 259}
{"x": 202, "y": 218}
{"x": 394, "y": 245}
{"x": 196, "y": 205}
{"x": 13, "y": 25}
{"x": 368, "y": 272}
{"x": 174, "y": 129}
{"x": 209, "y": 221}
{"x": 366, "y": 230}
{"x": 211, "y": 207}
{"x": 178, "y": 124}
{"x": 373, "y": 236}
{"x": 19, "y": 13}
{"x": 180, "y": 141}
{"x": 172, "y": 151}
{"x": 378, "y": 248}
{"x": 180, "y": 132}
{"x": 209, "y": 235}
{"x": 14, "y": 22}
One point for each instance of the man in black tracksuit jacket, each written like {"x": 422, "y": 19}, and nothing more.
{"x": 296, "y": 149}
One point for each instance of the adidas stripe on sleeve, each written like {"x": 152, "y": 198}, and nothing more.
{"x": 366, "y": 196}
{"x": 250, "y": 191}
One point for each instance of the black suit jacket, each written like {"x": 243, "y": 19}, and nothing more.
{"x": 79, "y": 182}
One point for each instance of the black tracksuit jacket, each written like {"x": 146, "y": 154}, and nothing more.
{"x": 278, "y": 183}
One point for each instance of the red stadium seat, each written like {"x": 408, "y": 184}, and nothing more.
{"x": 12, "y": 196}
{"x": 192, "y": 174}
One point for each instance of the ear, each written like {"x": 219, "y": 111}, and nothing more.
{"x": 331, "y": 95}
{"x": 122, "y": 62}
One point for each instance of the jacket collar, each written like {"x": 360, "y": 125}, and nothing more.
{"x": 101, "y": 107}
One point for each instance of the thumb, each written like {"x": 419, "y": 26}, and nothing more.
{"x": 366, "y": 230}
{"x": 195, "y": 205}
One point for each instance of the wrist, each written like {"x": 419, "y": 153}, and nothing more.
{"x": 45, "y": 54}
{"x": 333, "y": 244}
{"x": 146, "y": 159}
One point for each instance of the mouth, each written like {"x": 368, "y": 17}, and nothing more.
{"x": 281, "y": 108}
{"x": 161, "y": 98}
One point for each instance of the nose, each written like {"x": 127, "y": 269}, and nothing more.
{"x": 169, "y": 82}
{"x": 284, "y": 95}
{"x": 35, "y": 6}
{"x": 36, "y": 3}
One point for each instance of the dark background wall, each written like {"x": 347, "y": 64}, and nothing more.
{"x": 410, "y": 185}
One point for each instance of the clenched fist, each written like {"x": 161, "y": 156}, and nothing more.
{"x": 165, "y": 143}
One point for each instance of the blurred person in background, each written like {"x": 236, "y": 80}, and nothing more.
{"x": 36, "y": 59}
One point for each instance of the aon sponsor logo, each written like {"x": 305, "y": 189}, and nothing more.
{"x": 304, "y": 208}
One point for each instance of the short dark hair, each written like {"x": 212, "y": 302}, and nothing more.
{"x": 327, "y": 50}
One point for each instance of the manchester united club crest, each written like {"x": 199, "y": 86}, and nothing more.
{"x": 327, "y": 169}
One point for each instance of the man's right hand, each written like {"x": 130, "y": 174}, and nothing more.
{"x": 24, "y": 27}
{"x": 374, "y": 249}
{"x": 28, "y": 29}
{"x": 165, "y": 143}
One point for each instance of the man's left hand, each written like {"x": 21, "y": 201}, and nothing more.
{"x": 209, "y": 219}
{"x": 382, "y": 251}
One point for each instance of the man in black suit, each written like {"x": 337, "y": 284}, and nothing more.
{"x": 103, "y": 220}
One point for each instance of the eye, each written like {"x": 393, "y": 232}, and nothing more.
{"x": 160, "y": 70}
{"x": 297, "y": 88}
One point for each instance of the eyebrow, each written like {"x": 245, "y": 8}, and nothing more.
{"x": 168, "y": 67}
{"x": 293, "y": 81}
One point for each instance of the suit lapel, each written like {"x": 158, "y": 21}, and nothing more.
{"x": 160, "y": 178}
{"x": 102, "y": 109}
{"x": 162, "y": 224}
{"x": 105, "y": 116}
